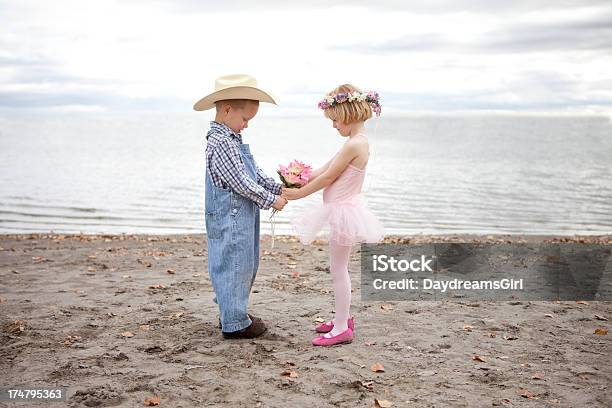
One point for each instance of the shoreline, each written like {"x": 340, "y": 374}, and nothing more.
{"x": 121, "y": 318}
{"x": 391, "y": 238}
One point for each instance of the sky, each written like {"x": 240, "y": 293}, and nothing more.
{"x": 424, "y": 56}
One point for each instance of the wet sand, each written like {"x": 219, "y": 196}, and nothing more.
{"x": 119, "y": 319}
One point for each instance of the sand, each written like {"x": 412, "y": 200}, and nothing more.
{"x": 123, "y": 319}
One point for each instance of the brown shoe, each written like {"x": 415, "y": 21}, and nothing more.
{"x": 256, "y": 329}
{"x": 253, "y": 318}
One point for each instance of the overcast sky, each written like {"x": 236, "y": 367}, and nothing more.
{"x": 450, "y": 55}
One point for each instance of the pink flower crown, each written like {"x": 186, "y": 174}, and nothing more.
{"x": 370, "y": 97}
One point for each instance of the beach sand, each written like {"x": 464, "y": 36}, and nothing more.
{"x": 119, "y": 319}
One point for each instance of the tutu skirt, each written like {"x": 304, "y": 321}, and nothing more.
{"x": 346, "y": 222}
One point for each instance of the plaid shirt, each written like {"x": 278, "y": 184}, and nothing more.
{"x": 225, "y": 166}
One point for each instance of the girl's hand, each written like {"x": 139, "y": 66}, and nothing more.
{"x": 291, "y": 193}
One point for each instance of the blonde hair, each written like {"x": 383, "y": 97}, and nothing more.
{"x": 234, "y": 103}
{"x": 348, "y": 112}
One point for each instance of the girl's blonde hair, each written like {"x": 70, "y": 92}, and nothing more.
{"x": 349, "y": 112}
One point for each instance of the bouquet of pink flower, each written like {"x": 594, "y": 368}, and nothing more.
{"x": 295, "y": 175}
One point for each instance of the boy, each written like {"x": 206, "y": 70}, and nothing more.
{"x": 236, "y": 188}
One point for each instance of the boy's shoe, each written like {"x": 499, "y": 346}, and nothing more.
{"x": 344, "y": 337}
{"x": 256, "y": 329}
{"x": 253, "y": 318}
{"x": 327, "y": 327}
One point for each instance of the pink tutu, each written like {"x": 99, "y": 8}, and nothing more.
{"x": 344, "y": 213}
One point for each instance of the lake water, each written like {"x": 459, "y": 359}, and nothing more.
{"x": 427, "y": 174}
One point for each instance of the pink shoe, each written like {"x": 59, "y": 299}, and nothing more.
{"x": 344, "y": 337}
{"x": 327, "y": 327}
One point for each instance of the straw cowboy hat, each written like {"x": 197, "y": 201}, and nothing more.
{"x": 238, "y": 86}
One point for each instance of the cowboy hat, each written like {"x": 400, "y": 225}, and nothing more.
{"x": 238, "y": 86}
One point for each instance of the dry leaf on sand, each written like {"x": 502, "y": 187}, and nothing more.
{"x": 152, "y": 401}
{"x": 289, "y": 373}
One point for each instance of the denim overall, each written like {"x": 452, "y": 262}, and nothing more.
{"x": 232, "y": 229}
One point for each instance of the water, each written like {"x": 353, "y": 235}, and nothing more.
{"x": 427, "y": 174}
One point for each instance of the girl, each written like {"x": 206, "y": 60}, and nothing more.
{"x": 343, "y": 210}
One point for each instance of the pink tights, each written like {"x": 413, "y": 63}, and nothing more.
{"x": 338, "y": 264}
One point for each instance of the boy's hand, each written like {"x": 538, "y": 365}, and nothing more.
{"x": 280, "y": 203}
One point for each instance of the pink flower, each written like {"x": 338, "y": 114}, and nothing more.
{"x": 295, "y": 174}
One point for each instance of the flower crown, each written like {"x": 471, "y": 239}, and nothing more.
{"x": 370, "y": 97}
